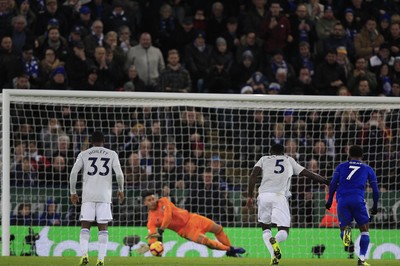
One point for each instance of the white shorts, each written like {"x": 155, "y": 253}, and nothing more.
{"x": 99, "y": 211}
{"x": 273, "y": 208}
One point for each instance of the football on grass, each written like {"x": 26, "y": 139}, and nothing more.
{"x": 157, "y": 249}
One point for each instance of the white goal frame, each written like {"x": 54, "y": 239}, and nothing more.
{"x": 156, "y": 99}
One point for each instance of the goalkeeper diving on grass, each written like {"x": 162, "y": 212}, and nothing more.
{"x": 163, "y": 214}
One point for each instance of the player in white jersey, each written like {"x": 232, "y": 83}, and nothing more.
{"x": 273, "y": 208}
{"x": 98, "y": 164}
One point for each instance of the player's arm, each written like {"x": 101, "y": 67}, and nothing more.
{"x": 314, "y": 177}
{"x": 251, "y": 185}
{"x": 120, "y": 178}
{"x": 375, "y": 191}
{"x": 73, "y": 179}
{"x": 332, "y": 189}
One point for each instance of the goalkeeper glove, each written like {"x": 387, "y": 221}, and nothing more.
{"x": 328, "y": 205}
{"x": 143, "y": 249}
{"x": 373, "y": 211}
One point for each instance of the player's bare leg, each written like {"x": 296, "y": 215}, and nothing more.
{"x": 84, "y": 237}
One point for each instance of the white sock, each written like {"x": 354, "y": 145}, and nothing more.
{"x": 266, "y": 236}
{"x": 103, "y": 241}
{"x": 84, "y": 241}
{"x": 281, "y": 236}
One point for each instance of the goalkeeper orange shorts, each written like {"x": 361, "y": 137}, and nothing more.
{"x": 196, "y": 226}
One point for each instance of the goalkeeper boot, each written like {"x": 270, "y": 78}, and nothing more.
{"x": 234, "y": 252}
{"x": 275, "y": 246}
{"x": 100, "y": 263}
{"x": 84, "y": 260}
{"x": 274, "y": 261}
{"x": 363, "y": 263}
{"x": 347, "y": 236}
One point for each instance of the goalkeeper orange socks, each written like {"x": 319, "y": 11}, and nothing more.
{"x": 223, "y": 238}
{"x": 214, "y": 244}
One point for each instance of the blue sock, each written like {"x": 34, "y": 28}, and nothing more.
{"x": 341, "y": 234}
{"x": 364, "y": 242}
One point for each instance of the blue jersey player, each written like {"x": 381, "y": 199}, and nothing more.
{"x": 349, "y": 182}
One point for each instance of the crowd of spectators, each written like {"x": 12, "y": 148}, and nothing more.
{"x": 341, "y": 47}
{"x": 321, "y": 47}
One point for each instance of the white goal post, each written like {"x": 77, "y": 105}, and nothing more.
{"x": 225, "y": 135}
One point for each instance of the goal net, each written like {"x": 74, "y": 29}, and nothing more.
{"x": 198, "y": 150}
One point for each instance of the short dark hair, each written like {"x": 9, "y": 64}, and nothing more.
{"x": 277, "y": 149}
{"x": 355, "y": 151}
{"x": 147, "y": 193}
{"x": 98, "y": 137}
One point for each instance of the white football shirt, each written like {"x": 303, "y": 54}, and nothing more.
{"x": 98, "y": 164}
{"x": 277, "y": 172}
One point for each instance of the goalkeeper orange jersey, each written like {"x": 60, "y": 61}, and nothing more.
{"x": 167, "y": 215}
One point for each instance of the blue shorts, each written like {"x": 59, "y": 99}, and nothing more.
{"x": 350, "y": 208}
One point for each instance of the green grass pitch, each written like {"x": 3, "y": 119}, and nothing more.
{"x": 128, "y": 261}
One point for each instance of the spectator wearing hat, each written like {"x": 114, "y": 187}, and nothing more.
{"x": 274, "y": 88}
{"x": 329, "y": 75}
{"x": 275, "y": 30}
{"x": 58, "y": 80}
{"x": 174, "y": 78}
{"x": 338, "y": 38}
{"x": 198, "y": 59}
{"x": 51, "y": 11}
{"x": 249, "y": 42}
{"x": 259, "y": 83}
{"x": 216, "y": 23}
{"x": 324, "y": 27}
{"x": 74, "y": 36}
{"x": 148, "y": 60}
{"x": 241, "y": 72}
{"x": 77, "y": 66}
{"x": 302, "y": 28}
{"x": 361, "y": 71}
{"x": 343, "y": 60}
{"x": 200, "y": 20}
{"x": 384, "y": 25}
{"x": 382, "y": 57}
{"x": 218, "y": 79}
{"x": 83, "y": 20}
{"x": 350, "y": 25}
{"x": 95, "y": 38}
{"x": 394, "y": 39}
{"x": 91, "y": 82}
{"x": 367, "y": 42}
{"x": 24, "y": 8}
{"x": 222, "y": 53}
